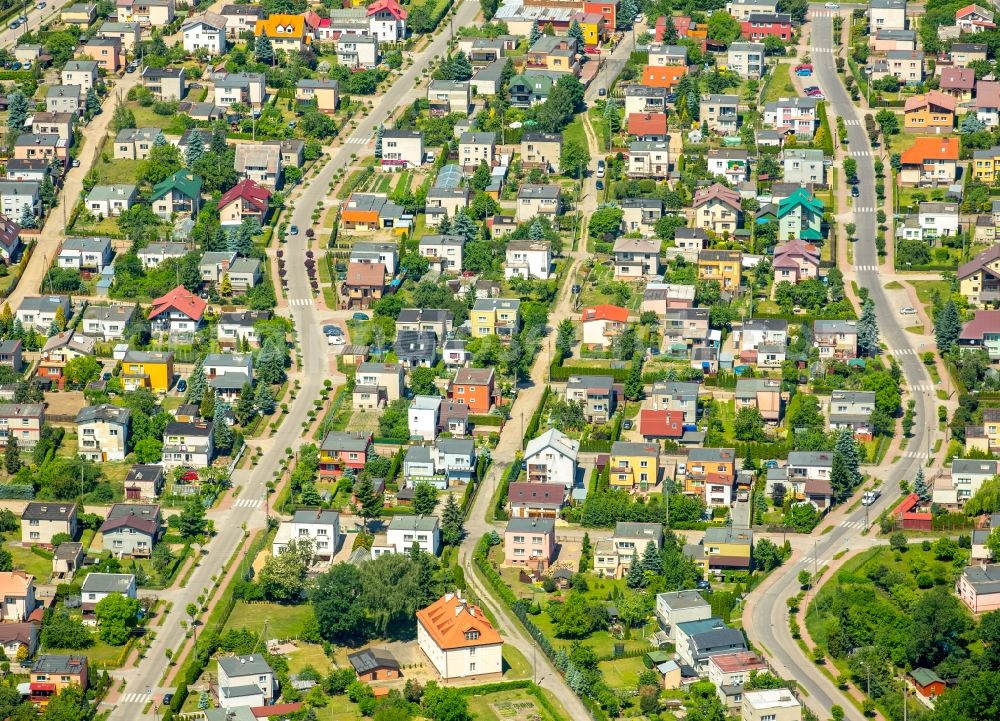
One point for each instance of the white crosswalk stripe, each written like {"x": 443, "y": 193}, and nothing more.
{"x": 859, "y": 153}
{"x": 854, "y": 121}
{"x": 135, "y": 698}
{"x": 916, "y": 454}
{"x": 821, "y": 50}
{"x": 357, "y": 140}
{"x": 923, "y": 387}
{"x": 300, "y": 301}
{"x": 901, "y": 351}
{"x": 866, "y": 268}
{"x": 246, "y": 503}
{"x": 852, "y": 524}
{"x": 864, "y": 209}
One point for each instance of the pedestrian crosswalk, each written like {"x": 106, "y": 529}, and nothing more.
{"x": 300, "y": 301}
{"x": 922, "y": 455}
{"x": 822, "y": 14}
{"x": 852, "y": 524}
{"x": 852, "y": 121}
{"x": 901, "y": 351}
{"x": 859, "y": 153}
{"x": 812, "y": 560}
{"x": 864, "y": 209}
{"x": 246, "y": 503}
{"x": 923, "y": 387}
{"x": 821, "y": 50}
{"x": 358, "y": 140}
{"x": 135, "y": 697}
{"x": 866, "y": 268}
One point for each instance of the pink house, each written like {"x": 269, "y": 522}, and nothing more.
{"x": 529, "y": 542}
{"x": 795, "y": 261}
{"x": 979, "y": 587}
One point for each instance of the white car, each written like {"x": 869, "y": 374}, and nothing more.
{"x": 336, "y": 340}
{"x": 907, "y": 310}
{"x": 640, "y": 19}
{"x": 832, "y": 6}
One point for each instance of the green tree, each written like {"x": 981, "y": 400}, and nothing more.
{"x": 481, "y": 178}
{"x": 116, "y": 616}
{"x": 576, "y": 32}
{"x": 565, "y": 337}
{"x": 887, "y": 122}
{"x": 263, "y": 50}
{"x": 424, "y": 498}
{"x": 12, "y": 456}
{"x": 723, "y": 27}
{"x": 195, "y": 149}
{"x": 82, "y": 370}
{"x": 422, "y": 382}
{"x": 222, "y": 434}
{"x": 749, "y": 424}
{"x": 283, "y": 577}
{"x": 574, "y": 159}
{"x": 369, "y": 502}
{"x": 122, "y": 119}
{"x": 148, "y": 450}
{"x": 264, "y": 399}
{"x": 947, "y": 326}
{"x": 17, "y": 111}
{"x": 606, "y": 221}
{"x": 452, "y": 522}
{"x": 766, "y": 555}
{"x": 868, "y": 335}
{"x": 191, "y": 521}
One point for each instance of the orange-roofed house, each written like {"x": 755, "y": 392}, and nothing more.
{"x": 663, "y": 77}
{"x": 663, "y": 423}
{"x": 364, "y": 284}
{"x": 459, "y": 640}
{"x": 286, "y": 32}
{"x": 601, "y": 323}
{"x": 932, "y": 112}
{"x": 930, "y": 161}
{"x": 179, "y": 311}
{"x": 648, "y": 126}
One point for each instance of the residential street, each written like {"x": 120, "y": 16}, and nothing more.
{"x": 766, "y": 613}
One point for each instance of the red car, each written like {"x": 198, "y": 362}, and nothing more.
{"x": 189, "y": 476}
{"x": 592, "y": 51}
{"x": 803, "y": 67}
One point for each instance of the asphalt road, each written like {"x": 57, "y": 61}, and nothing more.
{"x": 768, "y": 624}
{"x": 36, "y": 17}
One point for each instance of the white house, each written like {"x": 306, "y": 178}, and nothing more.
{"x": 680, "y": 607}
{"x": 98, "y": 586}
{"x": 321, "y": 527}
{"x": 937, "y": 220}
{"x": 967, "y": 477}
{"x": 423, "y": 417}
{"x": 552, "y": 458}
{"x": 528, "y": 259}
{"x": 404, "y": 531}
{"x": 92, "y": 254}
{"x": 205, "y": 32}
{"x": 459, "y": 640}
{"x": 246, "y": 681}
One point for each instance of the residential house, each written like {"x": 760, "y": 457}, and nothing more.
{"x": 98, "y": 586}
{"x": 33, "y": 170}
{"x": 169, "y": 83}
{"x": 245, "y": 200}
{"x": 107, "y": 201}
{"x": 363, "y": 285}
{"x": 613, "y": 556}
{"x": 473, "y": 387}
{"x": 795, "y": 261}
{"x": 145, "y": 369}
{"x": 64, "y": 99}
{"x": 601, "y": 324}
{"x": 531, "y": 88}
{"x": 644, "y": 99}
{"x": 676, "y": 607}
{"x": 930, "y": 162}
{"x": 320, "y": 526}
{"x": 746, "y": 60}
{"x": 59, "y": 350}
{"x": 17, "y": 589}
{"x": 449, "y": 96}
{"x": 357, "y": 51}
{"x": 721, "y": 113}
{"x": 836, "y": 339}
{"x": 797, "y": 115}
{"x": 459, "y": 640}
{"x": 371, "y": 212}
{"x": 476, "y": 148}
{"x": 188, "y": 443}
{"x": 144, "y": 482}
{"x": 402, "y": 149}
{"x": 373, "y": 664}
{"x": 636, "y": 258}
{"x": 405, "y": 531}
{"x": 102, "y": 432}
{"x": 445, "y": 202}
{"x": 732, "y": 164}
{"x": 742, "y": 9}
{"x": 81, "y": 14}
{"x": 19, "y": 640}
{"x": 639, "y": 215}
{"x": 597, "y": 395}
{"x": 718, "y": 209}
{"x": 207, "y": 32}
{"x": 180, "y": 193}
{"x": 761, "y": 336}
{"x": 443, "y": 251}
{"x": 888, "y": 14}
{"x": 148, "y": 13}
{"x": 710, "y": 473}
{"x": 11, "y": 351}
{"x": 987, "y": 103}
{"x": 966, "y": 478}
{"x": 764, "y": 394}
{"x": 662, "y": 54}
{"x": 343, "y": 449}
{"x": 246, "y": 88}
{"x": 82, "y": 73}
{"x": 986, "y": 165}
{"x": 435, "y": 320}
{"x": 648, "y": 159}
{"x": 758, "y": 26}
{"x": 106, "y": 52}
{"x": 42, "y": 521}
{"x": 286, "y": 32}
{"x": 48, "y": 146}
{"x": 552, "y": 458}
{"x": 235, "y": 327}
{"x": 804, "y": 165}
{"x": 59, "y": 124}
{"x": 933, "y": 112}
{"x": 530, "y": 543}
{"x": 535, "y": 500}
{"x": 259, "y": 163}
{"x": 853, "y": 410}
{"x": 729, "y": 671}
{"x": 131, "y": 529}
{"x": 387, "y": 20}
{"x": 528, "y": 259}
{"x": 178, "y": 312}
{"x": 375, "y": 252}
{"x": 647, "y": 127}
{"x": 496, "y": 316}
{"x": 634, "y": 466}
{"x": 666, "y": 76}
{"x": 128, "y": 34}
{"x": 958, "y": 82}
{"x": 386, "y": 377}
{"x": 51, "y": 674}
{"x": 41, "y": 312}
{"x": 241, "y": 18}
{"x": 422, "y": 417}
{"x": 90, "y": 255}
{"x": 537, "y": 201}
{"x": 541, "y": 150}
{"x": 726, "y": 549}
{"x": 16, "y": 196}
{"x": 974, "y": 19}
{"x": 246, "y": 681}
{"x": 677, "y": 396}
{"x": 554, "y": 54}
{"x": 135, "y": 143}
{"x": 724, "y": 266}
{"x": 773, "y": 704}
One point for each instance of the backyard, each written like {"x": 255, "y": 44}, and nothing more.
{"x": 283, "y": 622}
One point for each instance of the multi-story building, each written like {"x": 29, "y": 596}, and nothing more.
{"x": 746, "y": 59}
{"x": 42, "y": 521}
{"x": 23, "y": 422}
{"x": 932, "y": 112}
{"x": 402, "y": 149}
{"x": 718, "y": 209}
{"x": 721, "y": 112}
{"x": 552, "y": 458}
{"x": 188, "y": 443}
{"x": 886, "y": 14}
{"x": 530, "y": 543}
{"x": 597, "y": 395}
{"x": 797, "y": 115}
{"x": 836, "y": 339}
{"x": 102, "y": 432}
{"x": 930, "y": 161}
{"x": 496, "y": 316}
{"x": 320, "y": 526}
{"x": 537, "y": 200}
{"x": 474, "y": 388}
{"x": 634, "y": 466}
{"x": 852, "y": 410}
{"x": 723, "y": 266}
{"x": 131, "y": 529}
{"x": 459, "y": 640}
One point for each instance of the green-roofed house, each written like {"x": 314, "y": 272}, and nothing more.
{"x": 180, "y": 193}
{"x": 928, "y": 683}
{"x": 530, "y": 89}
{"x": 800, "y": 215}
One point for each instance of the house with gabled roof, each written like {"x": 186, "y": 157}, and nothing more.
{"x": 795, "y": 261}
{"x": 718, "y": 209}
{"x": 930, "y": 161}
{"x": 180, "y": 193}
{"x": 932, "y": 112}
{"x": 131, "y": 529}
{"x": 958, "y": 82}
{"x": 246, "y": 199}
{"x": 179, "y": 311}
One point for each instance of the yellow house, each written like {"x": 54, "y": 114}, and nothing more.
{"x": 986, "y": 165}
{"x": 634, "y": 466}
{"x": 148, "y": 370}
{"x": 724, "y": 266}
{"x": 726, "y": 548}
{"x": 286, "y": 32}
{"x": 592, "y": 25}
{"x": 496, "y": 316}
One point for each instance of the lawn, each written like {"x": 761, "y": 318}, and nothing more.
{"x": 902, "y": 141}
{"x": 117, "y": 172}
{"x": 100, "y": 655}
{"x": 103, "y": 227}
{"x": 30, "y": 562}
{"x": 146, "y": 118}
{"x": 622, "y": 673}
{"x": 509, "y": 706}
{"x": 926, "y": 289}
{"x": 339, "y": 708}
{"x": 516, "y": 664}
{"x": 309, "y": 654}
{"x": 575, "y": 131}
{"x": 779, "y": 84}
{"x": 282, "y": 621}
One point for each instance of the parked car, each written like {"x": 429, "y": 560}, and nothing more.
{"x": 600, "y": 185}
{"x": 601, "y": 168}
{"x": 360, "y": 317}
{"x": 75, "y": 163}
{"x": 592, "y": 51}
{"x": 576, "y": 289}
{"x": 855, "y": 192}
{"x": 907, "y": 310}
{"x": 627, "y": 424}
{"x": 602, "y": 92}
{"x": 189, "y": 475}
{"x": 15, "y": 25}
{"x": 336, "y": 340}
{"x": 167, "y": 697}
{"x": 331, "y": 330}
{"x": 803, "y": 66}
{"x": 293, "y": 230}
{"x": 832, "y": 6}
{"x": 41, "y": 6}
{"x": 870, "y": 497}
{"x": 804, "y": 73}
{"x": 810, "y": 88}
{"x": 182, "y": 386}
{"x": 743, "y": 495}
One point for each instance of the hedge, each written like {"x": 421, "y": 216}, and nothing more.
{"x": 563, "y": 373}
{"x": 512, "y": 472}
{"x": 16, "y": 491}
{"x": 536, "y": 418}
{"x": 485, "y": 420}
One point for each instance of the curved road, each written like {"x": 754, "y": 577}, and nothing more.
{"x": 768, "y": 622}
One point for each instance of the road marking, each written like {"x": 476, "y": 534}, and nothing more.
{"x": 822, "y": 50}
{"x": 852, "y": 524}
{"x": 246, "y": 503}
{"x": 859, "y": 153}
{"x": 300, "y": 301}
{"x": 357, "y": 140}
{"x": 135, "y": 698}
{"x": 866, "y": 268}
{"x": 916, "y": 454}
{"x": 902, "y": 351}
{"x": 923, "y": 387}
{"x": 864, "y": 209}
{"x": 852, "y": 122}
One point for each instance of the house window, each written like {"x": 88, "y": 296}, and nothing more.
{"x": 472, "y": 635}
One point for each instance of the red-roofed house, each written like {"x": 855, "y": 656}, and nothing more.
{"x": 387, "y": 20}
{"x": 930, "y": 160}
{"x": 648, "y": 126}
{"x": 655, "y": 424}
{"x": 459, "y": 640}
{"x": 179, "y": 311}
{"x": 244, "y": 200}
{"x": 958, "y": 83}
{"x": 365, "y": 283}
{"x": 909, "y": 517}
{"x": 535, "y": 500}
{"x": 601, "y": 323}
{"x": 667, "y": 76}
{"x": 795, "y": 260}
{"x": 983, "y": 331}
{"x": 974, "y": 19}
{"x": 932, "y": 112}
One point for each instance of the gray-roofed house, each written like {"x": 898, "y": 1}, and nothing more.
{"x": 598, "y": 395}
{"x": 259, "y": 163}
{"x": 107, "y": 201}
{"x": 853, "y": 410}
{"x": 698, "y": 641}
{"x": 979, "y": 587}
{"x": 476, "y": 148}
{"x": 374, "y": 664}
{"x": 165, "y": 83}
{"x": 98, "y": 586}
{"x": 64, "y": 99}
{"x": 15, "y": 196}
{"x": 107, "y": 321}
{"x": 68, "y": 557}
{"x": 246, "y": 681}
{"x": 11, "y": 354}
{"x": 404, "y": 531}
{"x": 144, "y": 482}
{"x": 530, "y": 543}
{"x": 416, "y": 349}
{"x": 131, "y": 529}
{"x": 103, "y": 431}
{"x": 678, "y": 607}
{"x": 320, "y": 526}
{"x": 41, "y": 521}
{"x": 82, "y": 73}
{"x": 437, "y": 320}
{"x": 86, "y": 254}
{"x": 40, "y": 312}
{"x": 17, "y": 636}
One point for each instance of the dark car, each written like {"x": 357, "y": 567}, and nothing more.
{"x": 627, "y": 425}
{"x": 167, "y": 698}
{"x": 182, "y": 386}
{"x": 600, "y": 185}
{"x": 855, "y": 192}
{"x": 293, "y": 230}
{"x": 576, "y": 288}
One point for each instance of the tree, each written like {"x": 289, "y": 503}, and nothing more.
{"x": 766, "y": 555}
{"x": 452, "y": 522}
{"x": 335, "y": 599}
{"x": 17, "y": 111}
{"x": 749, "y": 424}
{"x": 12, "y": 456}
{"x": 245, "y": 410}
{"x": 635, "y": 577}
{"x": 93, "y": 106}
{"x": 574, "y": 159}
{"x": 576, "y": 32}
{"x": 627, "y": 11}
{"x": 422, "y": 382}
{"x": 222, "y": 433}
{"x": 379, "y": 132}
{"x": 445, "y": 704}
{"x": 565, "y": 337}
{"x": 947, "y": 326}
{"x": 481, "y": 178}
{"x": 606, "y": 222}
{"x": 116, "y": 615}
{"x": 723, "y": 27}
{"x": 197, "y": 382}
{"x": 369, "y": 502}
{"x": 652, "y": 561}
{"x": 424, "y": 498}
{"x": 868, "y": 335}
{"x": 263, "y": 50}
{"x": 63, "y": 631}
{"x": 887, "y": 122}
{"x": 122, "y": 119}
{"x": 634, "y": 386}
{"x": 920, "y": 486}
{"x": 27, "y": 219}
{"x": 191, "y": 521}
{"x": 82, "y": 370}
{"x": 148, "y": 450}
{"x": 264, "y": 399}
{"x": 6, "y": 560}
{"x": 195, "y": 149}
{"x": 283, "y": 577}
